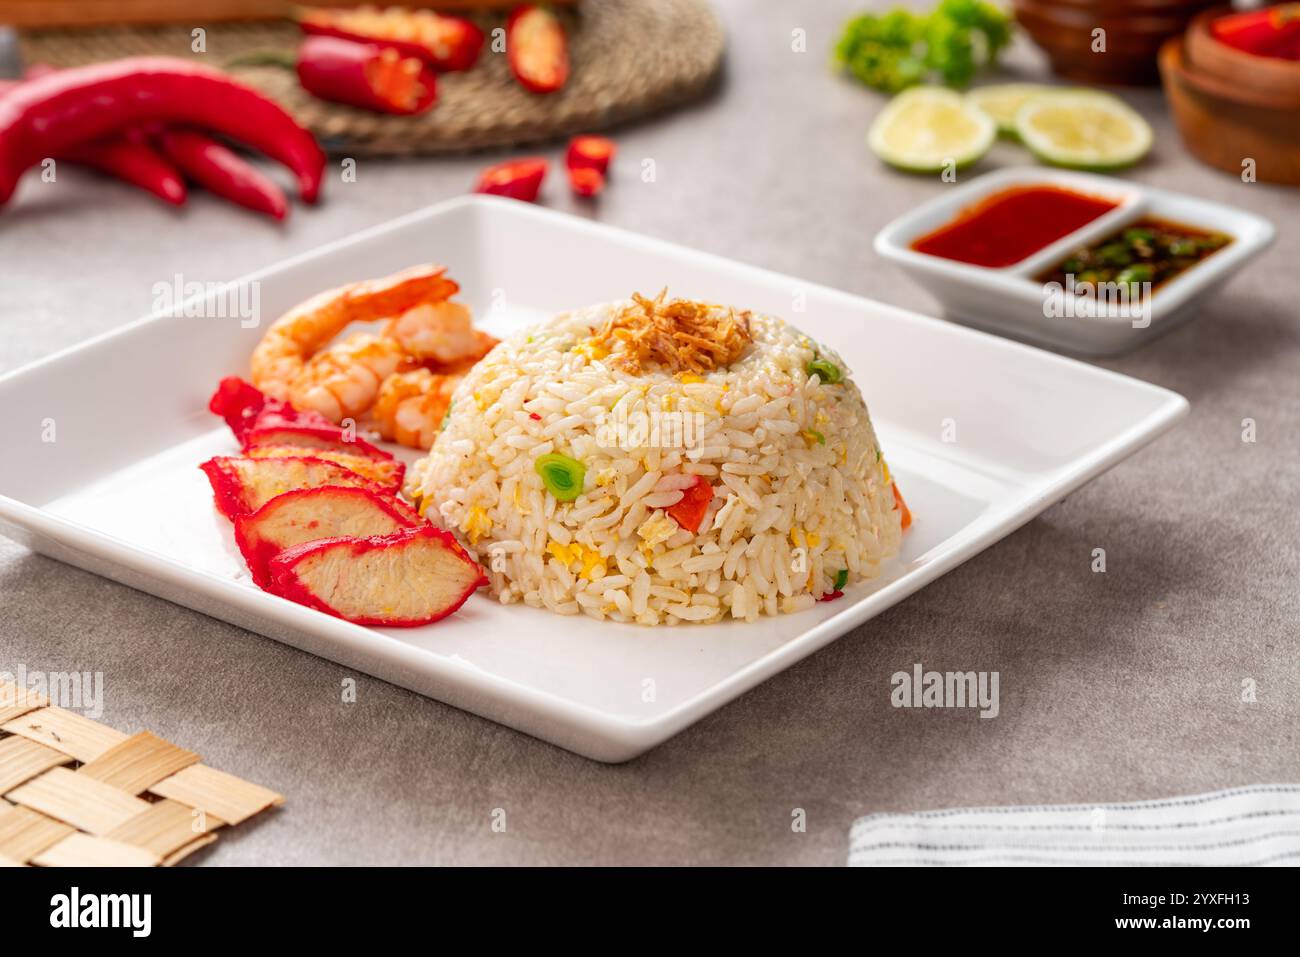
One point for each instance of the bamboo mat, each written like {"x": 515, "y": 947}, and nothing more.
{"x": 77, "y": 793}
{"x": 630, "y": 59}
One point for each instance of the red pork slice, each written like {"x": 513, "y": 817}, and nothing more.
{"x": 412, "y": 577}
{"x": 271, "y": 431}
{"x": 243, "y": 485}
{"x": 259, "y": 419}
{"x": 386, "y": 473}
{"x": 309, "y": 514}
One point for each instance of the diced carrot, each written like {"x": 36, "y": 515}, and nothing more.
{"x": 902, "y": 506}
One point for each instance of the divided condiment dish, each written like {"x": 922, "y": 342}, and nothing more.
{"x": 1010, "y": 300}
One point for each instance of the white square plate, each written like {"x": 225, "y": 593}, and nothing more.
{"x": 119, "y": 491}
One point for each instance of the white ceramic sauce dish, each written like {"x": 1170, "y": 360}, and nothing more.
{"x": 1011, "y": 302}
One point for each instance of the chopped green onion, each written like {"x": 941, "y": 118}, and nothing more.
{"x": 816, "y": 436}
{"x": 827, "y": 371}
{"x": 561, "y": 475}
{"x": 841, "y": 577}
{"x": 1115, "y": 254}
{"x": 1137, "y": 273}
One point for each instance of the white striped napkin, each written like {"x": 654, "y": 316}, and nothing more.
{"x": 1258, "y": 825}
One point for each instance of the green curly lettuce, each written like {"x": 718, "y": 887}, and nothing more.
{"x": 948, "y": 45}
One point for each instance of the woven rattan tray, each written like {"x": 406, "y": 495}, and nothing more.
{"x": 131, "y": 801}
{"x": 630, "y": 58}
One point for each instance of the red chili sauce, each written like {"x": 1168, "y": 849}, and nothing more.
{"x": 1004, "y": 228}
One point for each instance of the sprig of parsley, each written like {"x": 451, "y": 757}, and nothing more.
{"x": 948, "y": 45}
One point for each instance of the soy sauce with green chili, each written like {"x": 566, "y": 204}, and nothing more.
{"x": 1150, "y": 250}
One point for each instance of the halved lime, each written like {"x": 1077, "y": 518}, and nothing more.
{"x": 1083, "y": 130}
{"x": 1003, "y": 101}
{"x": 927, "y": 129}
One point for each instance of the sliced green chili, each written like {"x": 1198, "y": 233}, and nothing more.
{"x": 561, "y": 475}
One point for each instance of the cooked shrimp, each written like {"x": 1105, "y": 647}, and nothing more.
{"x": 411, "y": 406}
{"x": 484, "y": 342}
{"x": 304, "y": 330}
{"x": 343, "y": 380}
{"x": 437, "y": 331}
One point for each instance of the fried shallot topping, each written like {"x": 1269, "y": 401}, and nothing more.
{"x": 684, "y": 335}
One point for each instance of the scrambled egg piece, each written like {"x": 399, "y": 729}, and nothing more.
{"x": 588, "y": 559}
{"x": 657, "y": 528}
{"x": 476, "y": 524}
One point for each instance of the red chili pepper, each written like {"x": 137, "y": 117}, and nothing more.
{"x": 537, "y": 48}
{"x": 902, "y": 506}
{"x": 131, "y": 159}
{"x": 831, "y": 595}
{"x": 587, "y": 161}
{"x": 366, "y": 75}
{"x": 590, "y": 152}
{"x": 445, "y": 43}
{"x": 1274, "y": 31}
{"x": 219, "y": 170}
{"x": 689, "y": 512}
{"x": 518, "y": 178}
{"x": 68, "y": 108}
{"x": 586, "y": 181}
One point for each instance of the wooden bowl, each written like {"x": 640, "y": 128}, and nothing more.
{"x": 1224, "y": 124}
{"x": 1204, "y": 53}
{"x": 1133, "y": 38}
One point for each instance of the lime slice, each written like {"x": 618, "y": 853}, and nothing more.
{"x": 1083, "y": 130}
{"x": 927, "y": 128}
{"x": 1003, "y": 101}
